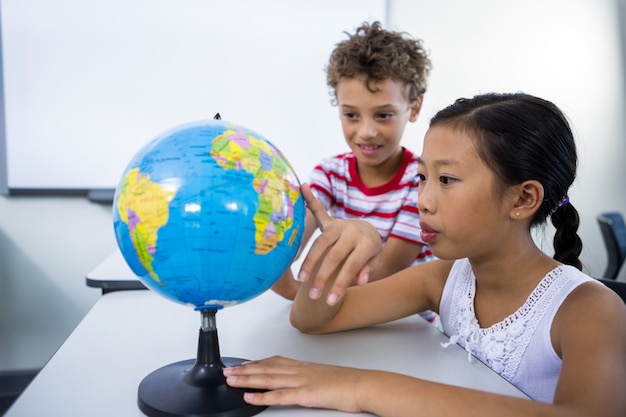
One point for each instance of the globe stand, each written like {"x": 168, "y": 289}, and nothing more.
{"x": 196, "y": 387}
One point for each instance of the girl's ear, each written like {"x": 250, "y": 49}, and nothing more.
{"x": 529, "y": 197}
{"x": 416, "y": 106}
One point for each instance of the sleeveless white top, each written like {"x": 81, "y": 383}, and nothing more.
{"x": 519, "y": 347}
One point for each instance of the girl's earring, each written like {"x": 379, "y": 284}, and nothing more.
{"x": 517, "y": 214}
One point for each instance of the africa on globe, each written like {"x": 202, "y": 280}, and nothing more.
{"x": 209, "y": 214}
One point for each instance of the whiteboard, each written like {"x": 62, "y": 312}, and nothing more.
{"x": 88, "y": 83}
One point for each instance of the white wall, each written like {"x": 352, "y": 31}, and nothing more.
{"x": 49, "y": 244}
{"x": 101, "y": 78}
{"x": 567, "y": 51}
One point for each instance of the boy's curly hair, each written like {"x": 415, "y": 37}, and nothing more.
{"x": 379, "y": 54}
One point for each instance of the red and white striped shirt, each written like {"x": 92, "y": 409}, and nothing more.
{"x": 391, "y": 208}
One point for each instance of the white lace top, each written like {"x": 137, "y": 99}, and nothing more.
{"x": 519, "y": 347}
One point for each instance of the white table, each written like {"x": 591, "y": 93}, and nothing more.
{"x": 129, "y": 334}
{"x": 113, "y": 274}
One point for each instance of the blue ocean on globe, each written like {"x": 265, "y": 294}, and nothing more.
{"x": 209, "y": 214}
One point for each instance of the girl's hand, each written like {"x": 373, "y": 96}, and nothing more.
{"x": 292, "y": 382}
{"x": 352, "y": 245}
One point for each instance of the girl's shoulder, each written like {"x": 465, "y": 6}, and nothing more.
{"x": 591, "y": 302}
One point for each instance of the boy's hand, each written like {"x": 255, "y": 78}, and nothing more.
{"x": 351, "y": 240}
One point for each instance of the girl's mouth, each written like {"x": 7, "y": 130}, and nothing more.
{"x": 428, "y": 235}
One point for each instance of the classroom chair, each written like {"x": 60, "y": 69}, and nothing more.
{"x": 614, "y": 234}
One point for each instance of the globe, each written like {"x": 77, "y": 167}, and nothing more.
{"x": 209, "y": 214}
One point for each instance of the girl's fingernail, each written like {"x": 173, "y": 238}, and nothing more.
{"x": 314, "y": 294}
{"x": 331, "y": 299}
{"x": 302, "y": 276}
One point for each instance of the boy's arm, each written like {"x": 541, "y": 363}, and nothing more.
{"x": 398, "y": 254}
{"x": 287, "y": 286}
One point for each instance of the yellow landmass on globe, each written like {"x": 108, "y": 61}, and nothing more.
{"x": 143, "y": 206}
{"x": 236, "y": 150}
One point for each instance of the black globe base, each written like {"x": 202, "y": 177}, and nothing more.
{"x": 167, "y": 392}
{"x": 196, "y": 388}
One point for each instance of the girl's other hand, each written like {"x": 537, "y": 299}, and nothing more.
{"x": 292, "y": 382}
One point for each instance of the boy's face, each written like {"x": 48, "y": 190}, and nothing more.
{"x": 373, "y": 122}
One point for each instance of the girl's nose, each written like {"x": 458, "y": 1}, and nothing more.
{"x": 424, "y": 198}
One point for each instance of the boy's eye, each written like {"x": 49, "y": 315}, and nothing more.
{"x": 385, "y": 116}
{"x": 348, "y": 115}
{"x": 420, "y": 178}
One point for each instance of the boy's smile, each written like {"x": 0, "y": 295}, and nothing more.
{"x": 369, "y": 149}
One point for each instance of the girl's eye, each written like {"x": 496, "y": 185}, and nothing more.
{"x": 420, "y": 178}
{"x": 446, "y": 180}
{"x": 385, "y": 116}
{"x": 350, "y": 116}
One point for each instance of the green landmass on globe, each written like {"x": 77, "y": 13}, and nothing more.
{"x": 209, "y": 213}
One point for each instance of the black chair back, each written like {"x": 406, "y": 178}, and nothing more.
{"x": 614, "y": 234}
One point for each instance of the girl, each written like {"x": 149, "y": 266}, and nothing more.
{"x": 492, "y": 168}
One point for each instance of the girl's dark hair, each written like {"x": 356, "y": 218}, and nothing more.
{"x": 521, "y": 137}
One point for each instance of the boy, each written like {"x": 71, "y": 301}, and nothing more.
{"x": 377, "y": 78}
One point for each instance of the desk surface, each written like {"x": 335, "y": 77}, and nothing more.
{"x": 113, "y": 275}
{"x": 128, "y": 334}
